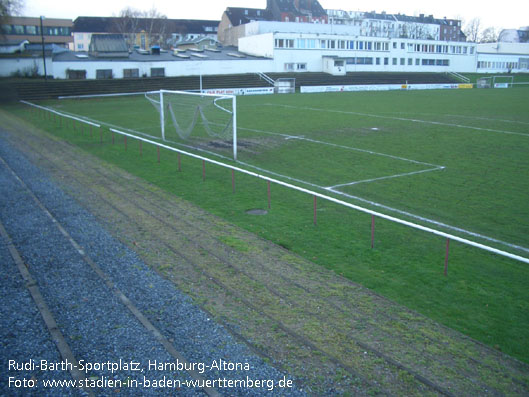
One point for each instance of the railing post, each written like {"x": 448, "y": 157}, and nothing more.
{"x": 372, "y": 231}
{"x": 315, "y": 210}
{"x": 269, "y": 198}
{"x": 446, "y": 256}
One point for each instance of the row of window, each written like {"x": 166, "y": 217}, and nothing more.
{"x": 362, "y": 45}
{"x": 29, "y": 30}
{"x": 301, "y": 67}
{"x": 397, "y": 61}
{"x": 501, "y": 65}
{"x": 109, "y": 73}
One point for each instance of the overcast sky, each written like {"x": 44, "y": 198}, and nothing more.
{"x": 512, "y": 15}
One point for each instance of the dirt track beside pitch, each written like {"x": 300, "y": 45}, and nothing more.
{"x": 334, "y": 336}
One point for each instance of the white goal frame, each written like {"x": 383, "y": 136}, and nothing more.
{"x": 507, "y": 82}
{"x": 233, "y": 112}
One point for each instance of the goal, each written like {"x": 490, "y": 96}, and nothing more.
{"x": 503, "y": 81}
{"x": 203, "y": 119}
{"x": 285, "y": 86}
{"x": 484, "y": 82}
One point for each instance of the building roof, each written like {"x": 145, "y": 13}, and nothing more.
{"x": 222, "y": 54}
{"x": 240, "y": 16}
{"x": 108, "y": 45}
{"x": 112, "y": 25}
{"x": 305, "y": 6}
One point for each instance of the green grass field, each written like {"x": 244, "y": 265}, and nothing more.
{"x": 456, "y": 161}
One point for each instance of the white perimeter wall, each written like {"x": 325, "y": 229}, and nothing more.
{"x": 10, "y": 66}
{"x": 172, "y": 69}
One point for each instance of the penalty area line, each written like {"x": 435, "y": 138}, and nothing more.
{"x": 440, "y": 168}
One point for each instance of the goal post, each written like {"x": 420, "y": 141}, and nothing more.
{"x": 196, "y": 117}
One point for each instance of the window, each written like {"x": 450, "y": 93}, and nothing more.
{"x": 378, "y": 61}
{"x": 31, "y": 30}
{"x": 104, "y": 74}
{"x": 394, "y": 45}
{"x": 394, "y": 61}
{"x": 76, "y": 74}
{"x": 402, "y": 61}
{"x": 131, "y": 73}
{"x": 157, "y": 72}
{"x": 302, "y": 66}
{"x": 332, "y": 44}
{"x": 6, "y": 29}
{"x": 18, "y": 29}
{"x": 302, "y": 43}
{"x": 386, "y": 61}
{"x": 80, "y": 47}
{"x": 402, "y": 46}
{"x": 289, "y": 67}
{"x": 350, "y": 45}
{"x": 341, "y": 45}
{"x": 410, "y": 61}
{"x": 323, "y": 44}
{"x": 360, "y": 61}
{"x": 311, "y": 44}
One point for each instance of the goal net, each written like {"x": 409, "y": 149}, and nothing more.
{"x": 203, "y": 120}
{"x": 484, "y": 82}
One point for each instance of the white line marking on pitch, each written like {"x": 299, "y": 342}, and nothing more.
{"x": 466, "y": 117}
{"x": 340, "y": 146}
{"x": 386, "y": 177}
{"x": 401, "y": 119}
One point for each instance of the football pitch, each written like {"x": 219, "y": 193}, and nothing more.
{"x": 455, "y": 161}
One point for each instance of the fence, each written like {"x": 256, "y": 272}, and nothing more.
{"x": 315, "y": 195}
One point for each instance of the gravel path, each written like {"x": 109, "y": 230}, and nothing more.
{"x": 97, "y": 326}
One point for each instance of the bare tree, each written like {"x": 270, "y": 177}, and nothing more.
{"x": 127, "y": 23}
{"x": 10, "y": 7}
{"x": 155, "y": 24}
{"x": 489, "y": 35}
{"x": 131, "y": 22}
{"x": 472, "y": 30}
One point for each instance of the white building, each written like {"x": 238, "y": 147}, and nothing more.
{"x": 503, "y": 58}
{"x": 340, "y": 49}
